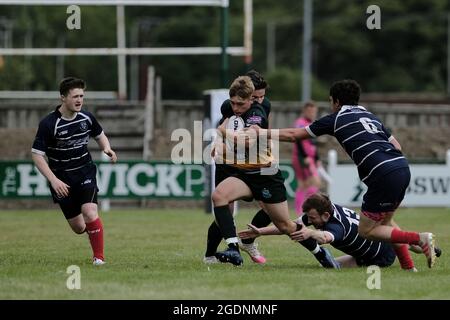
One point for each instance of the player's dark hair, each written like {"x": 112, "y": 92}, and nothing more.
{"x": 346, "y": 91}
{"x": 70, "y": 83}
{"x": 258, "y": 80}
{"x": 318, "y": 201}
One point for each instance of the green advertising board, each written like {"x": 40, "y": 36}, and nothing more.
{"x": 133, "y": 179}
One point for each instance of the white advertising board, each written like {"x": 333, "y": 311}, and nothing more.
{"x": 429, "y": 186}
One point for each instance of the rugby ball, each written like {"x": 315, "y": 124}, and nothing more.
{"x": 235, "y": 123}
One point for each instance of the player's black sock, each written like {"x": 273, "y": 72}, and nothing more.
{"x": 233, "y": 246}
{"x": 214, "y": 239}
{"x": 260, "y": 220}
{"x": 225, "y": 222}
{"x": 314, "y": 247}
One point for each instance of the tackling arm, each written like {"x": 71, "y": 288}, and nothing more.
{"x": 253, "y": 232}
{"x": 287, "y": 134}
{"x": 320, "y": 236}
{"x": 292, "y": 134}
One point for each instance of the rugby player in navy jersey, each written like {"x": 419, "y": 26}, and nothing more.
{"x": 381, "y": 166}
{"x": 63, "y": 137}
{"x": 337, "y": 226}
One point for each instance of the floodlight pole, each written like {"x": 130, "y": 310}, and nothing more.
{"x": 448, "y": 55}
{"x": 248, "y": 32}
{"x": 307, "y": 39}
{"x": 224, "y": 44}
{"x": 121, "y": 51}
{"x": 121, "y": 59}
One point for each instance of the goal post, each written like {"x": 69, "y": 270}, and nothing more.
{"x": 164, "y": 3}
{"x": 121, "y": 50}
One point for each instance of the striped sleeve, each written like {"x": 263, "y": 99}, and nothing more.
{"x": 324, "y": 125}
{"x": 96, "y": 129}
{"x": 42, "y": 139}
{"x": 336, "y": 229}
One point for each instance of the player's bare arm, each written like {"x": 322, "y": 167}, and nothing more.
{"x": 395, "y": 143}
{"x": 292, "y": 134}
{"x": 104, "y": 145}
{"x": 287, "y": 134}
{"x": 223, "y": 127}
{"x": 60, "y": 187}
{"x": 253, "y": 232}
{"x": 322, "y": 237}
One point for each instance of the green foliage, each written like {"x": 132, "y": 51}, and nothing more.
{"x": 408, "y": 54}
{"x": 286, "y": 84}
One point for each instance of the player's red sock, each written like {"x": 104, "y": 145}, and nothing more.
{"x": 95, "y": 232}
{"x": 399, "y": 236}
{"x": 404, "y": 257}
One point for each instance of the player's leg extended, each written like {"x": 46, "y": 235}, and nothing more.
{"x": 214, "y": 236}
{"x": 382, "y": 231}
{"x": 213, "y": 240}
{"x": 418, "y": 249}
{"x": 227, "y": 191}
{"x": 212, "y": 243}
{"x": 379, "y": 204}
{"x": 279, "y": 214}
{"x": 72, "y": 212}
{"x": 401, "y": 250}
{"x": 260, "y": 220}
{"x": 415, "y": 247}
{"x": 77, "y": 224}
{"x": 322, "y": 255}
{"x": 87, "y": 220}
{"x": 94, "y": 228}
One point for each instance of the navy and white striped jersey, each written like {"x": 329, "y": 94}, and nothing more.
{"x": 343, "y": 226}
{"x": 364, "y": 138}
{"x": 65, "y": 141}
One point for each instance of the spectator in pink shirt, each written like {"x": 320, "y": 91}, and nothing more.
{"x": 305, "y": 160}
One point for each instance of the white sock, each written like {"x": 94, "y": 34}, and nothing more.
{"x": 231, "y": 240}
{"x": 316, "y": 250}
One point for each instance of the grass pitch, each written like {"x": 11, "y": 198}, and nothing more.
{"x": 157, "y": 254}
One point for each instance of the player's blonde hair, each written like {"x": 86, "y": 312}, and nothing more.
{"x": 242, "y": 87}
